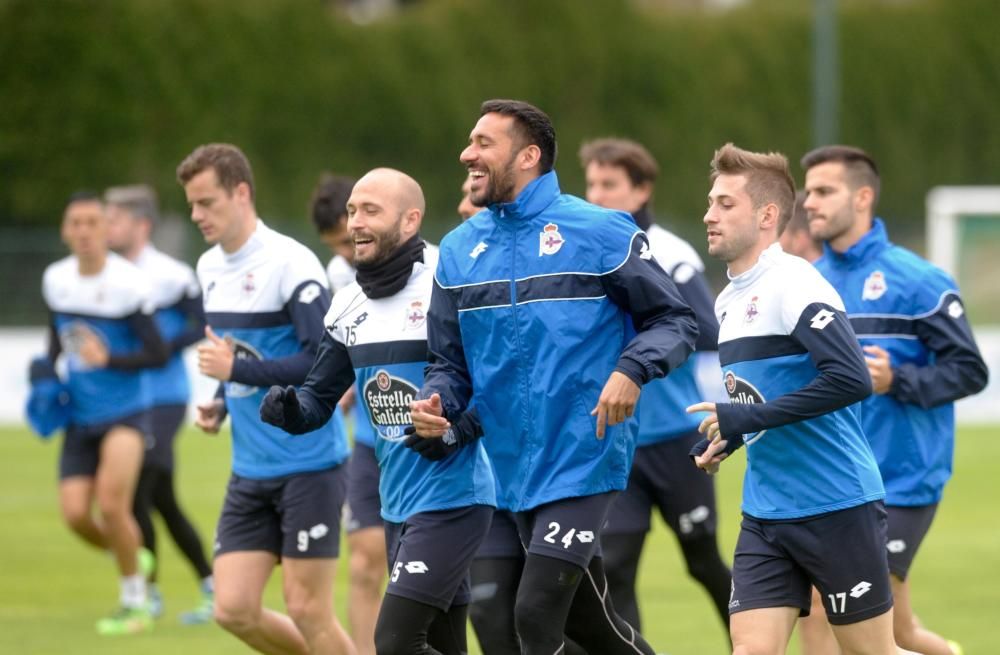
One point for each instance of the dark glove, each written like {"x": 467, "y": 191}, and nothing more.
{"x": 41, "y": 369}
{"x": 732, "y": 445}
{"x": 281, "y": 408}
{"x": 432, "y": 448}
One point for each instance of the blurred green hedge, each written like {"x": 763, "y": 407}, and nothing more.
{"x": 106, "y": 92}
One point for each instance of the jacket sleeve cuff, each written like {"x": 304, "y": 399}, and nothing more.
{"x": 633, "y": 370}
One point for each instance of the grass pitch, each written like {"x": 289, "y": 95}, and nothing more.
{"x": 53, "y": 588}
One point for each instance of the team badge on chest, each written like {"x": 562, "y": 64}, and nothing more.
{"x": 415, "y": 315}
{"x": 248, "y": 286}
{"x": 875, "y": 286}
{"x": 549, "y": 240}
{"x": 752, "y": 311}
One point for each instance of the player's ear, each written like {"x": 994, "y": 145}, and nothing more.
{"x": 863, "y": 199}
{"x": 529, "y": 157}
{"x": 769, "y": 215}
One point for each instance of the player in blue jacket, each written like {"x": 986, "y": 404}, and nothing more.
{"x": 180, "y": 316}
{"x": 549, "y": 314}
{"x": 436, "y": 503}
{"x": 620, "y": 175}
{"x": 102, "y": 329}
{"x": 812, "y": 496}
{"x": 920, "y": 351}
{"x": 266, "y": 295}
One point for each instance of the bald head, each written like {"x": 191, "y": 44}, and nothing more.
{"x": 385, "y": 209}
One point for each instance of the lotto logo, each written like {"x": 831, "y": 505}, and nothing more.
{"x": 309, "y": 293}
{"x": 822, "y": 318}
{"x": 416, "y": 567}
{"x": 860, "y": 589}
{"x": 644, "y": 252}
{"x": 479, "y": 249}
{"x": 585, "y": 536}
{"x": 896, "y": 546}
{"x": 318, "y": 531}
{"x": 955, "y": 309}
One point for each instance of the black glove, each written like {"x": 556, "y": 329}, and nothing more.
{"x": 432, "y": 448}
{"x": 41, "y": 369}
{"x": 732, "y": 445}
{"x": 281, "y": 408}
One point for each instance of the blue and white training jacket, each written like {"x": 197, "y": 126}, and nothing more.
{"x": 662, "y": 404}
{"x": 532, "y": 310}
{"x": 912, "y": 309}
{"x": 115, "y": 305}
{"x": 794, "y": 374}
{"x": 268, "y": 299}
{"x": 180, "y": 318}
{"x": 381, "y": 344}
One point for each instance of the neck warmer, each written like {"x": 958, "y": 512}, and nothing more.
{"x": 389, "y": 276}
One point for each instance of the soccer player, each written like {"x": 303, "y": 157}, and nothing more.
{"x": 363, "y": 519}
{"x": 437, "y": 497}
{"x": 266, "y": 294}
{"x": 132, "y": 214}
{"x": 812, "y": 495}
{"x": 920, "y": 353}
{"x": 102, "y": 324}
{"x": 621, "y": 175}
{"x": 532, "y": 319}
{"x": 796, "y": 239}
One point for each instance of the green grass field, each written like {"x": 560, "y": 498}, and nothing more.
{"x": 52, "y": 588}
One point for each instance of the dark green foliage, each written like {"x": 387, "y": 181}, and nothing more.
{"x": 99, "y": 93}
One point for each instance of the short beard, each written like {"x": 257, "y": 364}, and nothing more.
{"x": 733, "y": 249}
{"x": 386, "y": 244}
{"x": 499, "y": 189}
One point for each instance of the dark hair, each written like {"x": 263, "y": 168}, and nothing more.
{"x": 799, "y": 222}
{"x": 768, "y": 177}
{"x": 859, "y": 166}
{"x": 639, "y": 164}
{"x": 230, "y": 164}
{"x": 82, "y": 195}
{"x": 328, "y": 204}
{"x": 533, "y": 127}
{"x": 137, "y": 199}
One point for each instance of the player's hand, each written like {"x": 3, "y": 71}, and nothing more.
{"x": 880, "y": 368}
{"x": 709, "y": 425}
{"x": 215, "y": 357}
{"x": 211, "y": 415}
{"x": 430, "y": 448}
{"x": 280, "y": 407}
{"x": 428, "y": 417}
{"x": 617, "y": 402}
{"x": 91, "y": 349}
{"x": 347, "y": 401}
{"x": 713, "y": 456}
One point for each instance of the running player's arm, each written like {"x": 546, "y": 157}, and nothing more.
{"x": 55, "y": 346}
{"x": 694, "y": 289}
{"x": 192, "y": 307}
{"x": 666, "y": 326}
{"x": 957, "y": 370}
{"x": 447, "y": 372}
{"x": 330, "y": 376}
{"x": 306, "y": 306}
{"x": 153, "y": 352}
{"x": 825, "y": 333}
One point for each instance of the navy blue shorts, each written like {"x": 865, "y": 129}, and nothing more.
{"x": 568, "y": 529}
{"x": 502, "y": 541}
{"x": 364, "y": 506}
{"x": 164, "y": 423}
{"x": 295, "y": 516}
{"x": 429, "y": 554}
{"x": 81, "y": 447}
{"x": 841, "y": 553}
{"x": 907, "y": 528}
{"x": 662, "y": 476}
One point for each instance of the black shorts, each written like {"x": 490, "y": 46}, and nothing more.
{"x": 907, "y": 528}
{"x": 841, "y": 553}
{"x": 364, "y": 506}
{"x": 296, "y": 516}
{"x": 81, "y": 447}
{"x": 164, "y": 423}
{"x": 502, "y": 541}
{"x": 662, "y": 476}
{"x": 568, "y": 529}
{"x": 429, "y": 554}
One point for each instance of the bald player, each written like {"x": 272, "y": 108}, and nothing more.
{"x": 437, "y": 495}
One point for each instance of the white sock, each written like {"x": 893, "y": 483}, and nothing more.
{"x": 208, "y": 585}
{"x": 133, "y": 590}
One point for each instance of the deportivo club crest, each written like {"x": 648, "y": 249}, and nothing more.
{"x": 383, "y": 381}
{"x": 875, "y": 286}
{"x": 415, "y": 315}
{"x": 549, "y": 240}
{"x": 751, "y": 312}
{"x": 248, "y": 286}
{"x": 741, "y": 392}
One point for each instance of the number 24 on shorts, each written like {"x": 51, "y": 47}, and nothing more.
{"x": 583, "y": 536}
